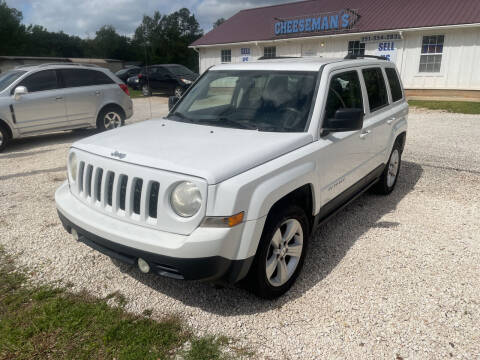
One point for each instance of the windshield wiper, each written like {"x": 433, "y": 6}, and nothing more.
{"x": 238, "y": 123}
{"x": 183, "y": 117}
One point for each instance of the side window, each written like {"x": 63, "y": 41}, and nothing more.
{"x": 40, "y": 81}
{"x": 344, "y": 92}
{"x": 394, "y": 82}
{"x": 376, "y": 88}
{"x": 84, "y": 77}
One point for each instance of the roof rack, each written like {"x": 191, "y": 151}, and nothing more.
{"x": 278, "y": 57}
{"x": 354, "y": 57}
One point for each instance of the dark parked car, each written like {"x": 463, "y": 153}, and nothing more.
{"x": 171, "y": 79}
{"x": 124, "y": 74}
{"x": 134, "y": 82}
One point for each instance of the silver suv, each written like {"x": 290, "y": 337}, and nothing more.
{"x": 55, "y": 97}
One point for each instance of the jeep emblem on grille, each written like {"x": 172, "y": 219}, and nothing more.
{"x": 118, "y": 154}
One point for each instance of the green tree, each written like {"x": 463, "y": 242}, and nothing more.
{"x": 218, "y": 22}
{"x": 12, "y": 32}
{"x": 165, "y": 38}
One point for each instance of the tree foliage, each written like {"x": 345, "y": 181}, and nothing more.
{"x": 158, "y": 39}
{"x": 218, "y": 22}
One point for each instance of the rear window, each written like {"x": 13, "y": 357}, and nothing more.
{"x": 376, "y": 88}
{"x": 394, "y": 82}
{"x": 84, "y": 77}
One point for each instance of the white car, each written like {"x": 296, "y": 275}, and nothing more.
{"x": 63, "y": 96}
{"x": 230, "y": 185}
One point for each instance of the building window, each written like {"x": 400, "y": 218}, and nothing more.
{"x": 432, "y": 50}
{"x": 269, "y": 52}
{"x": 226, "y": 55}
{"x": 356, "y": 48}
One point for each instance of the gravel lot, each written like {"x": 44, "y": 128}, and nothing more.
{"x": 389, "y": 277}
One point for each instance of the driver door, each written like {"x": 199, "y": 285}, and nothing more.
{"x": 43, "y": 107}
{"x": 343, "y": 155}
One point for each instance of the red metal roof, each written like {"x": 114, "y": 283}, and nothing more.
{"x": 375, "y": 15}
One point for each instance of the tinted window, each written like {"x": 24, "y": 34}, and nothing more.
{"x": 376, "y": 89}
{"x": 394, "y": 82}
{"x": 84, "y": 77}
{"x": 344, "y": 92}
{"x": 40, "y": 81}
{"x": 179, "y": 70}
{"x": 9, "y": 77}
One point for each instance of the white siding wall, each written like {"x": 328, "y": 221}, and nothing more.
{"x": 460, "y": 67}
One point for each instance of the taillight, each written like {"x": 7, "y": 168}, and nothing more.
{"x": 140, "y": 76}
{"x": 124, "y": 88}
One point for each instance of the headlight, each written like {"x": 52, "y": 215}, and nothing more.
{"x": 186, "y": 81}
{"x": 73, "y": 166}
{"x": 186, "y": 199}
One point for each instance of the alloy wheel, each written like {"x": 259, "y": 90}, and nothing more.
{"x": 112, "y": 120}
{"x": 393, "y": 168}
{"x": 284, "y": 252}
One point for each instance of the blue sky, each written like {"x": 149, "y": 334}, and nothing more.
{"x": 84, "y": 17}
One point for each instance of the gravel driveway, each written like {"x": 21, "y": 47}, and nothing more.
{"x": 389, "y": 277}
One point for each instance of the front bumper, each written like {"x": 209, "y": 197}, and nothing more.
{"x": 202, "y": 255}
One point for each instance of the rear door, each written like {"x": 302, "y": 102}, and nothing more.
{"x": 84, "y": 93}
{"x": 398, "y": 110}
{"x": 378, "y": 112}
{"x": 43, "y": 108}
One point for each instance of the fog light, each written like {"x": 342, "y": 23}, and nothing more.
{"x": 143, "y": 265}
{"x": 75, "y": 234}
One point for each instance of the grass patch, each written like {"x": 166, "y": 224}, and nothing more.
{"x": 461, "y": 107}
{"x": 44, "y": 322}
{"x": 134, "y": 94}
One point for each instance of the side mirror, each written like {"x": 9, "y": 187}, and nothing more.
{"x": 172, "y": 100}
{"x": 19, "y": 91}
{"x": 349, "y": 119}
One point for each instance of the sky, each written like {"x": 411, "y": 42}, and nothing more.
{"x": 84, "y": 17}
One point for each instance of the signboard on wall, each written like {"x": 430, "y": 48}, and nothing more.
{"x": 387, "y": 49}
{"x": 245, "y": 52}
{"x": 326, "y": 22}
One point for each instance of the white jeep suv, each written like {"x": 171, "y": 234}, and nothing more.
{"x": 54, "y": 97}
{"x": 230, "y": 185}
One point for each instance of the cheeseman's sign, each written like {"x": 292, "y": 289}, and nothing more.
{"x": 342, "y": 20}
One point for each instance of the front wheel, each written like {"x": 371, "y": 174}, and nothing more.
{"x": 280, "y": 254}
{"x": 389, "y": 177}
{"x": 4, "y": 137}
{"x": 178, "y": 92}
{"x": 110, "y": 118}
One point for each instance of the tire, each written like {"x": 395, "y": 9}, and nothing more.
{"x": 389, "y": 177}
{"x": 4, "y": 138}
{"x": 146, "y": 91}
{"x": 178, "y": 92}
{"x": 282, "y": 269}
{"x": 110, "y": 118}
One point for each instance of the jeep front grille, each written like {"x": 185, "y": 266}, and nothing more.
{"x": 133, "y": 193}
{"x": 127, "y": 191}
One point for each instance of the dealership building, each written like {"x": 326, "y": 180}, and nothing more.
{"x": 434, "y": 43}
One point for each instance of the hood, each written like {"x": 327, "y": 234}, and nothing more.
{"x": 212, "y": 153}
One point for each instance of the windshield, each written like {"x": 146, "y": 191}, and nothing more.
{"x": 9, "y": 77}
{"x": 180, "y": 70}
{"x": 259, "y": 100}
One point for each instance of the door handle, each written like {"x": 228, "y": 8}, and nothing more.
{"x": 364, "y": 134}
{"x": 97, "y": 92}
{"x": 59, "y": 98}
{"x": 391, "y": 120}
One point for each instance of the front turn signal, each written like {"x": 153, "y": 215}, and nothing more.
{"x": 218, "y": 221}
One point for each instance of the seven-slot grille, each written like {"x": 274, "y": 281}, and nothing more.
{"x": 116, "y": 192}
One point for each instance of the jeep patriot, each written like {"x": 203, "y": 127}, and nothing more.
{"x": 230, "y": 185}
